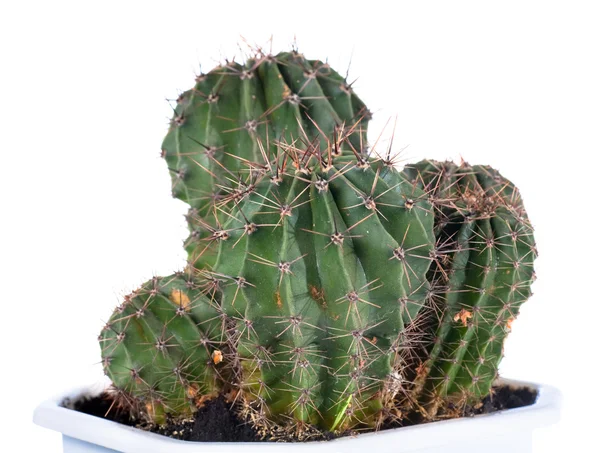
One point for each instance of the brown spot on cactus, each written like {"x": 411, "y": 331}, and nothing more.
{"x": 217, "y": 356}
{"x": 509, "y": 323}
{"x": 192, "y": 391}
{"x": 463, "y": 316}
{"x": 278, "y": 300}
{"x": 318, "y": 295}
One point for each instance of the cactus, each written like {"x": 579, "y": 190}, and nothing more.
{"x": 482, "y": 273}
{"x": 317, "y": 271}
{"x": 322, "y": 284}
{"x": 155, "y": 350}
{"x": 327, "y": 256}
{"x": 235, "y": 115}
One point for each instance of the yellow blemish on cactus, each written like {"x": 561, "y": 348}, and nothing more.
{"x": 192, "y": 391}
{"x": 217, "y": 356}
{"x": 155, "y": 411}
{"x": 278, "y": 300}
{"x": 318, "y": 295}
{"x": 180, "y": 298}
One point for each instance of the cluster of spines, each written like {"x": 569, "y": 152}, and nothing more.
{"x": 481, "y": 274}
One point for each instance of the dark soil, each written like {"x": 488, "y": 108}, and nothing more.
{"x": 506, "y": 398}
{"x": 502, "y": 397}
{"x": 215, "y": 422}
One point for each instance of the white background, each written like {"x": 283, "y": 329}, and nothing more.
{"x": 86, "y": 212}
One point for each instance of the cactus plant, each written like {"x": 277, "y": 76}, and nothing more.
{"x": 481, "y": 275}
{"x": 324, "y": 289}
{"x": 235, "y": 115}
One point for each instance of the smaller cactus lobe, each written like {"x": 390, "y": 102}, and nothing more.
{"x": 482, "y": 273}
{"x": 155, "y": 349}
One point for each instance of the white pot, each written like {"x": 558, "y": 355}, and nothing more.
{"x": 508, "y": 431}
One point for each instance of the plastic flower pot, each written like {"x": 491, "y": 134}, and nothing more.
{"x": 507, "y": 431}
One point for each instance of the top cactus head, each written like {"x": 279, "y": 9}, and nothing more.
{"x": 237, "y": 113}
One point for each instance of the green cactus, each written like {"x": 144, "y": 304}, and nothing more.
{"x": 155, "y": 350}
{"x": 335, "y": 248}
{"x": 318, "y": 269}
{"x": 482, "y": 273}
{"x": 321, "y": 282}
{"x": 237, "y": 113}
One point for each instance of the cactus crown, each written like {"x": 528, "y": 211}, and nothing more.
{"x": 324, "y": 289}
{"x": 225, "y": 129}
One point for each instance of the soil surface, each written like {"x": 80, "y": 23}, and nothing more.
{"x": 216, "y": 422}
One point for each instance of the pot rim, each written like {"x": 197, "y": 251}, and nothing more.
{"x": 96, "y": 430}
